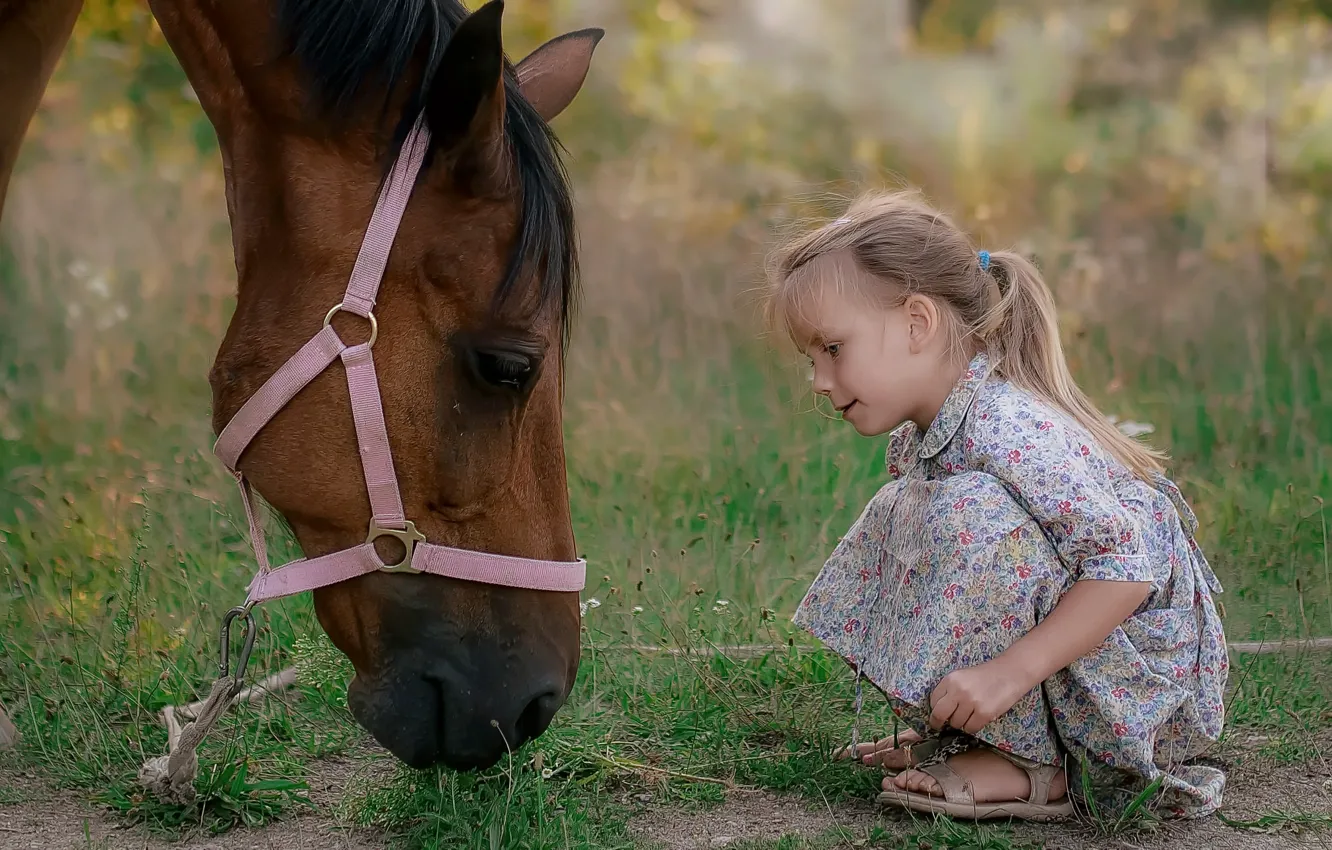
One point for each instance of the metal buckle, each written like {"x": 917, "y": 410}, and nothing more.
{"x": 374, "y": 323}
{"x": 224, "y": 648}
{"x": 408, "y": 536}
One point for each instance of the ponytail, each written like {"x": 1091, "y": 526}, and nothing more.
{"x": 1021, "y": 332}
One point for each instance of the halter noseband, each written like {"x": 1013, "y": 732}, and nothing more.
{"x": 388, "y": 519}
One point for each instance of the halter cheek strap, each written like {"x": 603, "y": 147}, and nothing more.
{"x": 388, "y": 518}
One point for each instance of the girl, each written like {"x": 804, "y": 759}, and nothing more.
{"x": 1026, "y": 587}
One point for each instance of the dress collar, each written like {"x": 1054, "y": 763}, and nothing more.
{"x": 955, "y": 407}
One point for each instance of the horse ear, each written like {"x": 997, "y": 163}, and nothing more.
{"x": 551, "y": 75}
{"x": 465, "y": 105}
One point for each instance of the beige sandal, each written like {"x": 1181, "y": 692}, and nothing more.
{"x": 959, "y": 800}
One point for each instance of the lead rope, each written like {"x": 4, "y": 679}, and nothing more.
{"x": 171, "y": 777}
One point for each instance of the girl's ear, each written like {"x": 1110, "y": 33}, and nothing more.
{"x": 923, "y": 322}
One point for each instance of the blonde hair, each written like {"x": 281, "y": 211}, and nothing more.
{"x": 1007, "y": 310}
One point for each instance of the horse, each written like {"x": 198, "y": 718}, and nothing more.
{"x": 316, "y": 104}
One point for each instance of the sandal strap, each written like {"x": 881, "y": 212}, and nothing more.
{"x": 955, "y": 789}
{"x": 1041, "y": 778}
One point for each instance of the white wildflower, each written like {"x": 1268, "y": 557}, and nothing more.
{"x": 1130, "y": 428}
{"x": 98, "y": 285}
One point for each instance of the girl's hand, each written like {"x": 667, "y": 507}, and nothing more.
{"x": 970, "y": 698}
{"x": 1085, "y": 616}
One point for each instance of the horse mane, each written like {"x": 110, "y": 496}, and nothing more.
{"x": 349, "y": 46}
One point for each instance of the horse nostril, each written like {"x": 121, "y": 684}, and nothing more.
{"x": 537, "y": 715}
{"x": 402, "y": 715}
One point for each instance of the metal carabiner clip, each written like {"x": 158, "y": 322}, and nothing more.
{"x": 224, "y": 648}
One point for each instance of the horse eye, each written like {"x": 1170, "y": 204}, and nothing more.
{"x": 503, "y": 369}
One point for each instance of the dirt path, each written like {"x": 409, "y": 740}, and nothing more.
{"x": 59, "y": 821}
{"x": 1259, "y": 787}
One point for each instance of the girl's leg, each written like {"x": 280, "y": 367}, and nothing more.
{"x": 980, "y": 576}
{"x": 935, "y": 576}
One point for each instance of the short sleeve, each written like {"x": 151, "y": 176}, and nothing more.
{"x": 1065, "y": 486}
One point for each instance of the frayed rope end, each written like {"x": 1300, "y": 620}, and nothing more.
{"x": 171, "y": 777}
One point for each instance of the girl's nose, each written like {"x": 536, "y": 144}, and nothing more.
{"x": 821, "y": 383}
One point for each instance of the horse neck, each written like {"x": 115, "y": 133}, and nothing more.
{"x": 33, "y": 34}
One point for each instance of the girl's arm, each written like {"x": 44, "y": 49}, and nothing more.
{"x": 968, "y": 699}
{"x": 1081, "y": 621}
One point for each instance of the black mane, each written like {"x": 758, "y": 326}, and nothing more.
{"x": 354, "y": 50}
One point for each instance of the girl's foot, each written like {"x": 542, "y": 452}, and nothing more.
{"x": 992, "y": 779}
{"x": 883, "y": 752}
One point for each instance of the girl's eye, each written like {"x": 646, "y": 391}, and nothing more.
{"x": 833, "y": 349}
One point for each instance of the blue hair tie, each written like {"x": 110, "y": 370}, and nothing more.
{"x": 984, "y": 261}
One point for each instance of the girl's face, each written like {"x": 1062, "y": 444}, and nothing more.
{"x": 878, "y": 366}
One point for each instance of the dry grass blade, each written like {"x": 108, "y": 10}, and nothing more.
{"x": 9, "y": 734}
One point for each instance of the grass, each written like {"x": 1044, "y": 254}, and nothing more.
{"x": 705, "y": 494}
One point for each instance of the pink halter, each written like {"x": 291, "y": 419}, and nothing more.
{"x": 381, "y": 481}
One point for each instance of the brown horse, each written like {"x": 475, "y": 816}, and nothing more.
{"x": 310, "y": 100}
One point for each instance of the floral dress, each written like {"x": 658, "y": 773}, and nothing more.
{"x": 988, "y": 518}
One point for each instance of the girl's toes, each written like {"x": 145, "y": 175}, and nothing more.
{"x": 925, "y": 784}
{"x": 914, "y": 780}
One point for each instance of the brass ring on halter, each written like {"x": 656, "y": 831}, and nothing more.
{"x": 374, "y": 323}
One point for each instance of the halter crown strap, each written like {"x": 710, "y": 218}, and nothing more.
{"x": 373, "y": 260}
{"x": 381, "y": 480}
